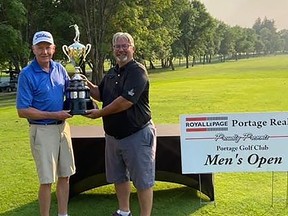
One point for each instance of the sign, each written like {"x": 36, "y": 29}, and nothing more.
{"x": 252, "y": 142}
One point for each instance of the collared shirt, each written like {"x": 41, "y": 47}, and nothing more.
{"x": 132, "y": 83}
{"x": 41, "y": 90}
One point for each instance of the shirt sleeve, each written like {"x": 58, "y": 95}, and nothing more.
{"x": 24, "y": 93}
{"x": 135, "y": 84}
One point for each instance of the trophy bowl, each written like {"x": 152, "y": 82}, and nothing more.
{"x": 77, "y": 94}
{"x": 76, "y": 53}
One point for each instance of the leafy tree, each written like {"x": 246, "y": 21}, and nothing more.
{"x": 154, "y": 25}
{"x": 227, "y": 46}
{"x": 186, "y": 27}
{"x": 211, "y": 42}
{"x": 54, "y": 16}
{"x": 257, "y": 25}
{"x": 250, "y": 41}
{"x": 219, "y": 32}
{"x": 195, "y": 27}
{"x": 268, "y": 36}
{"x": 13, "y": 48}
{"x": 244, "y": 41}
{"x": 94, "y": 20}
{"x": 259, "y": 46}
{"x": 167, "y": 30}
{"x": 162, "y": 29}
{"x": 265, "y": 36}
{"x": 150, "y": 30}
{"x": 144, "y": 19}
{"x": 284, "y": 37}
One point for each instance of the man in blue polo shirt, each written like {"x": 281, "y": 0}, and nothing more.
{"x": 40, "y": 98}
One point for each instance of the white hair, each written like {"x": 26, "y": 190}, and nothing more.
{"x": 123, "y": 35}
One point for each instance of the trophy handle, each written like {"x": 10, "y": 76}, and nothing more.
{"x": 87, "y": 50}
{"x": 65, "y": 50}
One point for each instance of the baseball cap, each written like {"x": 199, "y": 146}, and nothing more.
{"x": 42, "y": 36}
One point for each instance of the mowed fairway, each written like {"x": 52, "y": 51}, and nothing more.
{"x": 251, "y": 85}
{"x": 248, "y": 85}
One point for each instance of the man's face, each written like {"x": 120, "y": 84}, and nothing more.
{"x": 123, "y": 51}
{"x": 43, "y": 52}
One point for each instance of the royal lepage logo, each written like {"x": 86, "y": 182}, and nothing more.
{"x": 203, "y": 124}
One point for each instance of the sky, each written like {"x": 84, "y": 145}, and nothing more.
{"x": 245, "y": 12}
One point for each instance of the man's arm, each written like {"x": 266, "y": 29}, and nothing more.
{"x": 94, "y": 90}
{"x": 32, "y": 113}
{"x": 118, "y": 105}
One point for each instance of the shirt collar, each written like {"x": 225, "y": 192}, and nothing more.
{"x": 119, "y": 70}
{"x": 37, "y": 67}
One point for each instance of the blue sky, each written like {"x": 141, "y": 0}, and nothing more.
{"x": 245, "y": 12}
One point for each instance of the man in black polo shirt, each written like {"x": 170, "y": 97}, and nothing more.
{"x": 129, "y": 132}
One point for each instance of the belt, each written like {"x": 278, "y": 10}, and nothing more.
{"x": 49, "y": 123}
{"x": 132, "y": 132}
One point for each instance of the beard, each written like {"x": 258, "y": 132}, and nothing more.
{"x": 121, "y": 58}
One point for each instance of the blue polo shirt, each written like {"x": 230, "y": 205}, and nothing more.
{"x": 41, "y": 90}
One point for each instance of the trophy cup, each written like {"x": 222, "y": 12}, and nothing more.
{"x": 77, "y": 93}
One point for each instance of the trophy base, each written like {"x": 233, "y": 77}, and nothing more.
{"x": 78, "y": 112}
{"x": 78, "y": 106}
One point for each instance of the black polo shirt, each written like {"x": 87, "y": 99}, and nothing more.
{"x": 130, "y": 82}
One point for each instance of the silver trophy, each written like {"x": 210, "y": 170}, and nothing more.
{"x": 77, "y": 93}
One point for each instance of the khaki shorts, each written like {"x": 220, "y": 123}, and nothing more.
{"x": 51, "y": 147}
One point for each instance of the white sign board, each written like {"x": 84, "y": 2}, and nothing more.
{"x": 234, "y": 142}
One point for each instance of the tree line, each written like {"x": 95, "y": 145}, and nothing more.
{"x": 163, "y": 30}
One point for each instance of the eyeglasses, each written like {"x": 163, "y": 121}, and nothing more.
{"x": 123, "y": 46}
{"x": 44, "y": 48}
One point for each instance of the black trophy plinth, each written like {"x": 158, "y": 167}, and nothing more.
{"x": 78, "y": 99}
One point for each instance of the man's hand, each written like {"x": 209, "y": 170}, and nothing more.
{"x": 84, "y": 77}
{"x": 64, "y": 114}
{"x": 35, "y": 114}
{"x": 93, "y": 113}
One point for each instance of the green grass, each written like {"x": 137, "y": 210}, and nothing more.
{"x": 252, "y": 85}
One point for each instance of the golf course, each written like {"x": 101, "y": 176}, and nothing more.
{"x": 247, "y": 85}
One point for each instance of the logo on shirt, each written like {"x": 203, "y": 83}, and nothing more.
{"x": 131, "y": 92}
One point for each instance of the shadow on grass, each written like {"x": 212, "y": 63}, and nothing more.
{"x": 175, "y": 201}
{"x": 24, "y": 210}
